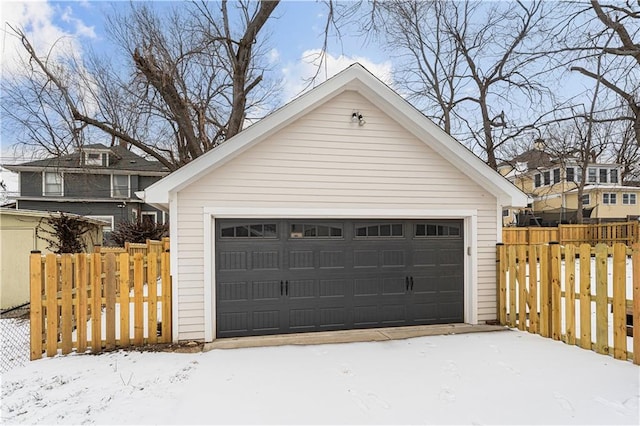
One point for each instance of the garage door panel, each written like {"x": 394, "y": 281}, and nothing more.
{"x": 333, "y": 317}
{"x": 393, "y": 258}
{"x": 301, "y": 259}
{"x": 394, "y": 286}
{"x": 301, "y": 319}
{"x": 332, "y": 288}
{"x": 394, "y": 314}
{"x": 265, "y": 260}
{"x": 265, "y": 290}
{"x": 233, "y": 322}
{"x": 266, "y": 321}
{"x": 334, "y": 259}
{"x": 302, "y": 289}
{"x": 232, "y": 261}
{"x": 369, "y": 286}
{"x": 365, "y": 258}
{"x": 233, "y": 291}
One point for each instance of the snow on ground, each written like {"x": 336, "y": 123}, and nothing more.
{"x": 506, "y": 377}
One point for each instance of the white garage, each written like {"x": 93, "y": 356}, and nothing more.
{"x": 347, "y": 208}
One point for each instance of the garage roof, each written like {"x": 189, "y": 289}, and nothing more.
{"x": 354, "y": 78}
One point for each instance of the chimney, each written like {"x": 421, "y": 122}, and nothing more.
{"x": 538, "y": 144}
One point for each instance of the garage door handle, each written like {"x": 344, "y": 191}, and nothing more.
{"x": 286, "y": 288}
{"x": 281, "y": 288}
{"x": 406, "y": 282}
{"x": 411, "y": 283}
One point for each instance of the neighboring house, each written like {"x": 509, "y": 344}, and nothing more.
{"x": 347, "y": 208}
{"x": 96, "y": 181}
{"x": 552, "y": 184}
{"x": 18, "y": 236}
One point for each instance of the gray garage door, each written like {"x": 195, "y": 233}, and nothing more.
{"x": 291, "y": 275}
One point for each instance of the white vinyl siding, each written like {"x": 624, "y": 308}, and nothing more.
{"x": 325, "y": 161}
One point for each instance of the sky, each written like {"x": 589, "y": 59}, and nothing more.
{"x": 295, "y": 35}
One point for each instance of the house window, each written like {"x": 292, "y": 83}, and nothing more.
{"x": 149, "y": 217}
{"x": 609, "y": 198}
{"x": 547, "y": 177}
{"x": 538, "y": 180}
{"x": 52, "y": 183}
{"x": 603, "y": 175}
{"x": 629, "y": 199}
{"x": 591, "y": 175}
{"x": 120, "y": 186}
{"x": 613, "y": 176}
{"x": 571, "y": 174}
{"x": 107, "y": 227}
{"x": 93, "y": 159}
{"x": 586, "y": 199}
{"x": 505, "y": 212}
{"x": 556, "y": 176}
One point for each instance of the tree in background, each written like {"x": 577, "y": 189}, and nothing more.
{"x": 138, "y": 232}
{"x": 66, "y": 233}
{"x": 194, "y": 75}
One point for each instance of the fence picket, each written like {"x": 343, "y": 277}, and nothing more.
{"x": 585, "y": 296}
{"x": 533, "y": 289}
{"x": 81, "y": 300}
{"x": 110, "y": 300}
{"x": 602, "y": 334}
{"x": 556, "y": 292}
{"x": 570, "y": 292}
{"x": 619, "y": 299}
{"x": 51, "y": 294}
{"x": 152, "y": 291}
{"x": 96, "y": 302}
{"x": 124, "y": 300}
{"x": 138, "y": 299}
{"x": 35, "y": 309}
{"x": 545, "y": 291}
{"x": 522, "y": 286}
{"x": 66, "y": 323}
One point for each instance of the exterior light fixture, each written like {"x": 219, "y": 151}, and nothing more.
{"x": 359, "y": 118}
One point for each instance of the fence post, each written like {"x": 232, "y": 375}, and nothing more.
{"x": 96, "y": 302}
{"x": 35, "y": 304}
{"x": 512, "y": 286}
{"x": 635, "y": 260}
{"x": 501, "y": 274}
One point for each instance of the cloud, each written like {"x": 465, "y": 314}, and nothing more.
{"x": 297, "y": 76}
{"x": 38, "y": 21}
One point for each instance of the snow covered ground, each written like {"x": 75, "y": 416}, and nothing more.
{"x": 506, "y": 377}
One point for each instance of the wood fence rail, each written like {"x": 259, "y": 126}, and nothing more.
{"x": 548, "y": 289}
{"x": 98, "y": 301}
{"x": 156, "y": 246}
{"x": 610, "y": 233}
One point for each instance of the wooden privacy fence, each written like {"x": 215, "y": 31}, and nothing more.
{"x": 98, "y": 301}
{"x": 155, "y": 246}
{"x": 573, "y": 293}
{"x": 611, "y": 233}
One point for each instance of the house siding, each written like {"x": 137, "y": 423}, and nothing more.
{"x": 323, "y": 160}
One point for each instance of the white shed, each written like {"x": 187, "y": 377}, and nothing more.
{"x": 346, "y": 208}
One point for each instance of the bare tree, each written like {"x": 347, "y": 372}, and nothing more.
{"x": 477, "y": 68}
{"x": 615, "y": 39}
{"x": 195, "y": 73}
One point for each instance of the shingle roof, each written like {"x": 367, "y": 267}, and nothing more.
{"x": 534, "y": 159}
{"x": 120, "y": 158}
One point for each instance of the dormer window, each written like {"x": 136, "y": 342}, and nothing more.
{"x": 93, "y": 158}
